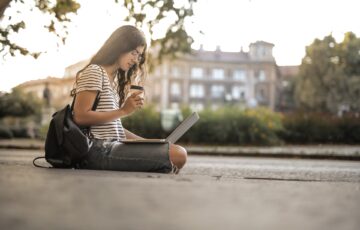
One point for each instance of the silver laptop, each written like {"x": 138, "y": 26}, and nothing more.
{"x": 180, "y": 130}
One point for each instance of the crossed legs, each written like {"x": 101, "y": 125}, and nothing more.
{"x": 178, "y": 155}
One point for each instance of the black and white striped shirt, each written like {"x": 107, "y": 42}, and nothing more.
{"x": 95, "y": 78}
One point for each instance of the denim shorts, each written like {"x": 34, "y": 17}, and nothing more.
{"x": 114, "y": 155}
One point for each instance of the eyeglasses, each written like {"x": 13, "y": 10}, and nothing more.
{"x": 137, "y": 55}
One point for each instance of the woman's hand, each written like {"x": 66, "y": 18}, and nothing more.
{"x": 133, "y": 103}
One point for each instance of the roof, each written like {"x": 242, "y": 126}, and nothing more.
{"x": 216, "y": 56}
{"x": 51, "y": 80}
{"x": 261, "y": 43}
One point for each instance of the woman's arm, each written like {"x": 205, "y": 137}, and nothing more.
{"x": 83, "y": 115}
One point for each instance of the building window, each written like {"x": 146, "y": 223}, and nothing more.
{"x": 239, "y": 75}
{"x": 215, "y": 107}
{"x": 218, "y": 74}
{"x": 175, "y": 71}
{"x": 261, "y": 51}
{"x": 242, "y": 95}
{"x": 197, "y": 91}
{"x": 157, "y": 89}
{"x": 197, "y": 72}
{"x": 175, "y": 106}
{"x": 175, "y": 89}
{"x": 196, "y": 106}
{"x": 165, "y": 69}
{"x": 217, "y": 91}
{"x": 238, "y": 92}
{"x": 157, "y": 71}
{"x": 260, "y": 96}
{"x": 285, "y": 84}
{"x": 262, "y": 75}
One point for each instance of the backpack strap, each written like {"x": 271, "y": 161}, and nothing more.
{"x": 97, "y": 99}
{"x": 95, "y": 104}
{"x": 39, "y": 166}
{"x": 93, "y": 108}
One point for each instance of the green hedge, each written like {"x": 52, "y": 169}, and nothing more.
{"x": 349, "y": 127}
{"x": 259, "y": 126}
{"x": 145, "y": 123}
{"x": 315, "y": 128}
{"x": 228, "y": 125}
{"x": 231, "y": 125}
{"x": 14, "y": 132}
{"x": 234, "y": 126}
{"x": 5, "y": 133}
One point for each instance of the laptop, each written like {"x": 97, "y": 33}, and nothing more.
{"x": 175, "y": 135}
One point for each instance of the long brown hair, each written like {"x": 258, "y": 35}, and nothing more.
{"x": 123, "y": 40}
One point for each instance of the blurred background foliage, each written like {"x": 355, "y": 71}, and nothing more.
{"x": 260, "y": 126}
{"x": 228, "y": 125}
{"x": 19, "y": 114}
{"x": 146, "y": 14}
{"x": 329, "y": 77}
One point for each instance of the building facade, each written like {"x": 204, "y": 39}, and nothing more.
{"x": 214, "y": 78}
{"x": 58, "y": 88}
{"x": 198, "y": 80}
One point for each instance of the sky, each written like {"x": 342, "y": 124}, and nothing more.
{"x": 290, "y": 25}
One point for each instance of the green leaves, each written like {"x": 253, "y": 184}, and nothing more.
{"x": 168, "y": 16}
{"x": 63, "y": 8}
{"x": 176, "y": 39}
{"x": 18, "y": 104}
{"x": 327, "y": 74}
{"x": 57, "y": 10}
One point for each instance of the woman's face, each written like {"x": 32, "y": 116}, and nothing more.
{"x": 131, "y": 58}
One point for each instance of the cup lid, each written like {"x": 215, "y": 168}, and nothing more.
{"x": 136, "y": 87}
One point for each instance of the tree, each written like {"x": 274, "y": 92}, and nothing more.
{"x": 18, "y": 104}
{"x": 329, "y": 75}
{"x": 58, "y": 12}
{"x": 146, "y": 14}
{"x": 349, "y": 54}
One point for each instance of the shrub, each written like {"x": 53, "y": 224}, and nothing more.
{"x": 20, "y": 132}
{"x": 260, "y": 126}
{"x": 145, "y": 123}
{"x": 316, "y": 128}
{"x": 42, "y": 131}
{"x": 5, "y": 133}
{"x": 231, "y": 125}
{"x": 349, "y": 127}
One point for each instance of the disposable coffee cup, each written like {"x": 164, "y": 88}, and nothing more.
{"x": 137, "y": 88}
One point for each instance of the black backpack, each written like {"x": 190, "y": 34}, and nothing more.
{"x": 66, "y": 143}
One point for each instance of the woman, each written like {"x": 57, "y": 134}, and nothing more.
{"x": 119, "y": 62}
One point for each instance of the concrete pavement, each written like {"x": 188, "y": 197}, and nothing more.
{"x": 209, "y": 193}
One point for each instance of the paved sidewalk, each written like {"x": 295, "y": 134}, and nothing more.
{"x": 342, "y": 152}
{"x": 211, "y": 192}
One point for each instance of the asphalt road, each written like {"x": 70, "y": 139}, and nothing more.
{"x": 209, "y": 193}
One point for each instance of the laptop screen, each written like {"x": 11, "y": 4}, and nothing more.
{"x": 184, "y": 126}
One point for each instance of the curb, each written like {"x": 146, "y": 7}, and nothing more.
{"x": 335, "y": 152}
{"x": 303, "y": 152}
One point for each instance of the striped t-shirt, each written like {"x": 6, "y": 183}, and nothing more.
{"x": 95, "y": 78}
